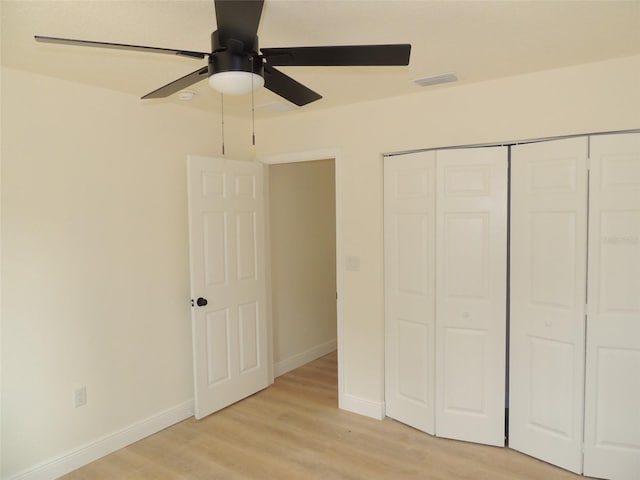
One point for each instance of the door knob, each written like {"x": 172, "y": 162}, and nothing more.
{"x": 201, "y": 302}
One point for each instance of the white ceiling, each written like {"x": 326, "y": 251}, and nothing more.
{"x": 479, "y": 40}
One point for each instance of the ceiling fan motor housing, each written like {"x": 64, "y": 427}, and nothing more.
{"x": 232, "y": 54}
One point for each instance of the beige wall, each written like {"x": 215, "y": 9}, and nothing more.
{"x": 589, "y": 98}
{"x": 303, "y": 259}
{"x": 95, "y": 276}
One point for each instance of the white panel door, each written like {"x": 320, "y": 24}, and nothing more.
{"x": 228, "y": 285}
{"x": 612, "y": 417}
{"x": 547, "y": 305}
{"x": 409, "y": 221}
{"x": 471, "y": 242}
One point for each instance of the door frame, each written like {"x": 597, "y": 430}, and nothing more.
{"x": 310, "y": 156}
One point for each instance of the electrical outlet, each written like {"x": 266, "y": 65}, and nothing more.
{"x": 80, "y": 396}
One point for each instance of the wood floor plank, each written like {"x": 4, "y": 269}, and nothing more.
{"x": 294, "y": 430}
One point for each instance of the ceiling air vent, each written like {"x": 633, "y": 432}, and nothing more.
{"x": 437, "y": 79}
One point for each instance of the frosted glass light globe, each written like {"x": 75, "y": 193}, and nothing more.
{"x": 235, "y": 82}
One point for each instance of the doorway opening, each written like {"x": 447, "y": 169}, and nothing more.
{"x": 302, "y": 238}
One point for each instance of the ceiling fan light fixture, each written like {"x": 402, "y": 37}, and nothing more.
{"x": 236, "y": 82}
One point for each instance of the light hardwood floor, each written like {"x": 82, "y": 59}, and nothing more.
{"x": 294, "y": 430}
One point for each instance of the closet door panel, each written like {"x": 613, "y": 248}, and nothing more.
{"x": 409, "y": 241}
{"x": 547, "y": 300}
{"x": 471, "y": 294}
{"x": 612, "y": 417}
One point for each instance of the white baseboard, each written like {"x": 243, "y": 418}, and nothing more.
{"x": 363, "y": 406}
{"x": 92, "y": 451}
{"x": 295, "y": 361}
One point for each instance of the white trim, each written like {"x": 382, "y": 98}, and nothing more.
{"x": 267, "y": 266}
{"x": 302, "y": 358}
{"x": 325, "y": 154}
{"x": 309, "y": 156}
{"x": 362, "y": 406}
{"x": 74, "y": 459}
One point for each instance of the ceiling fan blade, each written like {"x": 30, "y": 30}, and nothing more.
{"x": 179, "y": 84}
{"x": 288, "y": 88}
{"x": 238, "y": 19}
{"x": 343, "y": 55}
{"x": 119, "y": 46}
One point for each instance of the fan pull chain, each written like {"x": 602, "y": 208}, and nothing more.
{"x": 222, "y": 120}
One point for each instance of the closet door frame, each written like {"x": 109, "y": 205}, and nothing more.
{"x": 588, "y": 429}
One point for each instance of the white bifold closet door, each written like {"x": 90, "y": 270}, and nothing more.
{"x": 612, "y": 420}
{"x": 575, "y": 304}
{"x": 471, "y": 285}
{"x": 547, "y": 299}
{"x": 445, "y": 291}
{"x": 409, "y": 239}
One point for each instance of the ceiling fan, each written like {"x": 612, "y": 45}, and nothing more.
{"x": 235, "y": 67}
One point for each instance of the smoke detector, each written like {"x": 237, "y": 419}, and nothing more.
{"x": 186, "y": 95}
